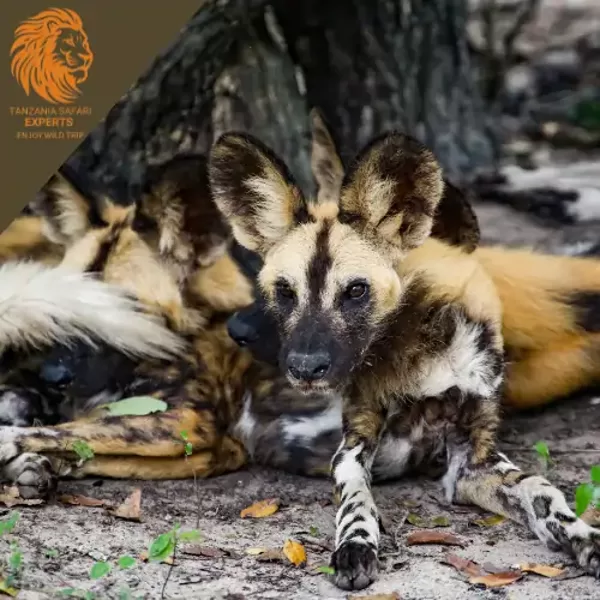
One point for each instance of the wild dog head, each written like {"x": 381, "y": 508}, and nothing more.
{"x": 254, "y": 326}
{"x": 330, "y": 273}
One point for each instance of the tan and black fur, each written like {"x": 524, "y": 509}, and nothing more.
{"x": 203, "y": 388}
{"x": 220, "y": 392}
{"x": 168, "y": 249}
{"x": 406, "y": 328}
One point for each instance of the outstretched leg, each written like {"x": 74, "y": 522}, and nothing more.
{"x": 140, "y": 447}
{"x": 499, "y": 486}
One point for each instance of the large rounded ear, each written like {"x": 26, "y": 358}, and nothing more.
{"x": 254, "y": 191}
{"x": 455, "y": 221}
{"x": 392, "y": 191}
{"x": 325, "y": 161}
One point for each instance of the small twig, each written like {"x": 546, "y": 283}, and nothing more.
{"x": 569, "y": 451}
{"x": 403, "y": 518}
{"x": 171, "y": 567}
{"x": 197, "y": 491}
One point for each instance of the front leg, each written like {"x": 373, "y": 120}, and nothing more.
{"x": 499, "y": 486}
{"x": 357, "y": 521}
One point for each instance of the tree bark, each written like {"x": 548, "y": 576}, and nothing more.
{"x": 255, "y": 66}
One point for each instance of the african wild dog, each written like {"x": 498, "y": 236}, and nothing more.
{"x": 192, "y": 288}
{"x": 407, "y": 328}
{"x": 170, "y": 251}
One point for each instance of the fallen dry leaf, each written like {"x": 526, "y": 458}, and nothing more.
{"x": 8, "y": 590}
{"x": 259, "y": 510}
{"x": 392, "y": 596}
{"x": 295, "y": 552}
{"x": 77, "y": 500}
{"x": 543, "y": 570}
{"x": 591, "y": 516}
{"x": 130, "y": 509}
{"x": 494, "y": 580}
{"x": 434, "y": 537}
{"x": 11, "y": 497}
{"x": 206, "y": 551}
{"x": 167, "y": 560}
{"x": 414, "y": 519}
{"x": 255, "y": 551}
{"x": 271, "y": 555}
{"x": 490, "y": 521}
{"x": 463, "y": 565}
{"x": 441, "y": 521}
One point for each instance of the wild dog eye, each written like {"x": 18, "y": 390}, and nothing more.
{"x": 356, "y": 290}
{"x": 284, "y": 291}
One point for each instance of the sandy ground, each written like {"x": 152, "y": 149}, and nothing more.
{"x": 76, "y": 537}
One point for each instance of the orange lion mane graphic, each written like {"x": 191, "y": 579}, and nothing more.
{"x": 51, "y": 55}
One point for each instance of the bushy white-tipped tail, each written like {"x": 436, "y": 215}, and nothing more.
{"x": 41, "y": 305}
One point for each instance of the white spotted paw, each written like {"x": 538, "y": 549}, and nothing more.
{"x": 31, "y": 473}
{"x": 587, "y": 552}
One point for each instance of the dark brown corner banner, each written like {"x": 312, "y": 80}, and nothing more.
{"x": 64, "y": 65}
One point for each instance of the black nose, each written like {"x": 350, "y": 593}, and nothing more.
{"x": 308, "y": 367}
{"x": 56, "y": 373}
{"x": 241, "y": 333}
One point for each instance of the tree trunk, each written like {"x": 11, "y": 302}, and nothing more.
{"x": 369, "y": 65}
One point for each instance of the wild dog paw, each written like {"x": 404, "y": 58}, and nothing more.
{"x": 586, "y": 550}
{"x": 31, "y": 473}
{"x": 355, "y": 566}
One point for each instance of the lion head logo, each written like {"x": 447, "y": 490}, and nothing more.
{"x": 51, "y": 55}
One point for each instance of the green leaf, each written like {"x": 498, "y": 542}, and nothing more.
{"x": 595, "y": 474}
{"x": 583, "y": 496}
{"x": 543, "y": 451}
{"x": 314, "y": 531}
{"x": 15, "y": 560}
{"x": 184, "y": 435}
{"x": 587, "y": 114}
{"x": 188, "y": 449}
{"x": 189, "y": 536}
{"x": 51, "y": 552}
{"x": 82, "y": 449}
{"x": 138, "y": 405}
{"x": 99, "y": 569}
{"x": 326, "y": 569}
{"x": 440, "y": 521}
{"x": 8, "y": 524}
{"x": 126, "y": 562}
{"x": 162, "y": 547}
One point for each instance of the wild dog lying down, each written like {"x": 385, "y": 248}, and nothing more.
{"x": 170, "y": 252}
{"x": 203, "y": 386}
{"x": 407, "y": 328}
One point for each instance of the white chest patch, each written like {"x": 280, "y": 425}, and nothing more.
{"x": 311, "y": 427}
{"x": 463, "y": 365}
